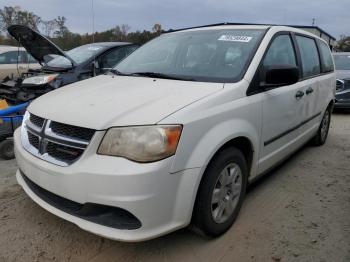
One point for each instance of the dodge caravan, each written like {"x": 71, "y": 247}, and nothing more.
{"x": 173, "y": 135}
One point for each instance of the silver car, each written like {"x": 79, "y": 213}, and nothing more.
{"x": 342, "y": 65}
{"x": 10, "y": 57}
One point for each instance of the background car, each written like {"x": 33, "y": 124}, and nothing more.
{"x": 14, "y": 60}
{"x": 59, "y": 68}
{"x": 342, "y": 65}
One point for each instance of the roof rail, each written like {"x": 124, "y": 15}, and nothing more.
{"x": 230, "y": 23}
{"x": 211, "y": 25}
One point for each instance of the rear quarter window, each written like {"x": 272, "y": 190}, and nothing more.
{"x": 326, "y": 57}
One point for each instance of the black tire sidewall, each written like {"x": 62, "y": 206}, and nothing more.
{"x": 4, "y": 146}
{"x": 318, "y": 141}
{"x": 202, "y": 214}
{"x": 328, "y": 111}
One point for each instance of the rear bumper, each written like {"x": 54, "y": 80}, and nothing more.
{"x": 160, "y": 201}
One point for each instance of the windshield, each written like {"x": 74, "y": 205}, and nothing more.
{"x": 342, "y": 62}
{"x": 79, "y": 55}
{"x": 203, "y": 55}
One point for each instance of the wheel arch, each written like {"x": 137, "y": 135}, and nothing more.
{"x": 242, "y": 143}
{"x": 331, "y": 104}
{"x": 199, "y": 145}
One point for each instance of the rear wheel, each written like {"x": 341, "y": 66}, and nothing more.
{"x": 323, "y": 130}
{"x": 221, "y": 193}
{"x": 6, "y": 149}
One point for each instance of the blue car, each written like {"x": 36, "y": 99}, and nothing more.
{"x": 10, "y": 119}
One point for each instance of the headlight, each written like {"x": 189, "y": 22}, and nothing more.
{"x": 26, "y": 116}
{"x": 39, "y": 80}
{"x": 142, "y": 143}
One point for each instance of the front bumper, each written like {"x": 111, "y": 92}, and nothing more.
{"x": 342, "y": 103}
{"x": 161, "y": 201}
{"x": 342, "y": 99}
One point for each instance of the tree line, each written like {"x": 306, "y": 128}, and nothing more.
{"x": 343, "y": 44}
{"x": 58, "y": 32}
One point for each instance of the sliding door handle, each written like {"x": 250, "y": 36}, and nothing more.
{"x": 299, "y": 94}
{"x": 309, "y": 91}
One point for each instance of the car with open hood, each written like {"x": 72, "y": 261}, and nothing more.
{"x": 59, "y": 68}
{"x": 175, "y": 132}
{"x": 14, "y": 61}
{"x": 342, "y": 65}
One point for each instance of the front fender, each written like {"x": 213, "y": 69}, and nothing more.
{"x": 194, "y": 155}
{"x": 198, "y": 147}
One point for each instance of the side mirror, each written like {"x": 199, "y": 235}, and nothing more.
{"x": 281, "y": 76}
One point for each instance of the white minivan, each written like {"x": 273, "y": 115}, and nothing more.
{"x": 175, "y": 132}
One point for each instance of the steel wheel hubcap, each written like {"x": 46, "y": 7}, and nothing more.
{"x": 226, "y": 193}
{"x": 324, "y": 126}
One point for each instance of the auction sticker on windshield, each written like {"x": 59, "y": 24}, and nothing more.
{"x": 235, "y": 38}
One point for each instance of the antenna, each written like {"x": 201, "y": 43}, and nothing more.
{"x": 93, "y": 36}
{"x": 93, "y": 21}
{"x": 313, "y": 21}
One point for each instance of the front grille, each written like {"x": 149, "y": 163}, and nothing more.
{"x": 347, "y": 84}
{"x": 62, "y": 152}
{"x": 72, "y": 131}
{"x": 342, "y": 84}
{"x": 36, "y": 120}
{"x": 33, "y": 140}
{"x": 55, "y": 142}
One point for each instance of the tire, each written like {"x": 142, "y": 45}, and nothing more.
{"x": 323, "y": 130}
{"x": 6, "y": 149}
{"x": 226, "y": 199}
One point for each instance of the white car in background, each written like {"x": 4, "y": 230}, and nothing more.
{"x": 14, "y": 60}
{"x": 174, "y": 134}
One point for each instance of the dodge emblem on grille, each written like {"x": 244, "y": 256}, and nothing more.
{"x": 54, "y": 142}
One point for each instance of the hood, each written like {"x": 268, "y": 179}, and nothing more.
{"x": 342, "y": 74}
{"x": 35, "y": 43}
{"x": 106, "y": 101}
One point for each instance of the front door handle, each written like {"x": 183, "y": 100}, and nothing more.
{"x": 299, "y": 94}
{"x": 309, "y": 91}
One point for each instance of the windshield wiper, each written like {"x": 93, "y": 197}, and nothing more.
{"x": 161, "y": 75}
{"x": 116, "y": 72}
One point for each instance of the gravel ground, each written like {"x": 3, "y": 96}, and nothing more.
{"x": 298, "y": 212}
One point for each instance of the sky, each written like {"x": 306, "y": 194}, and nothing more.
{"x": 331, "y": 16}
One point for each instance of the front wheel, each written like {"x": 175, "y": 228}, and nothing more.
{"x": 323, "y": 130}
{"x": 221, "y": 193}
